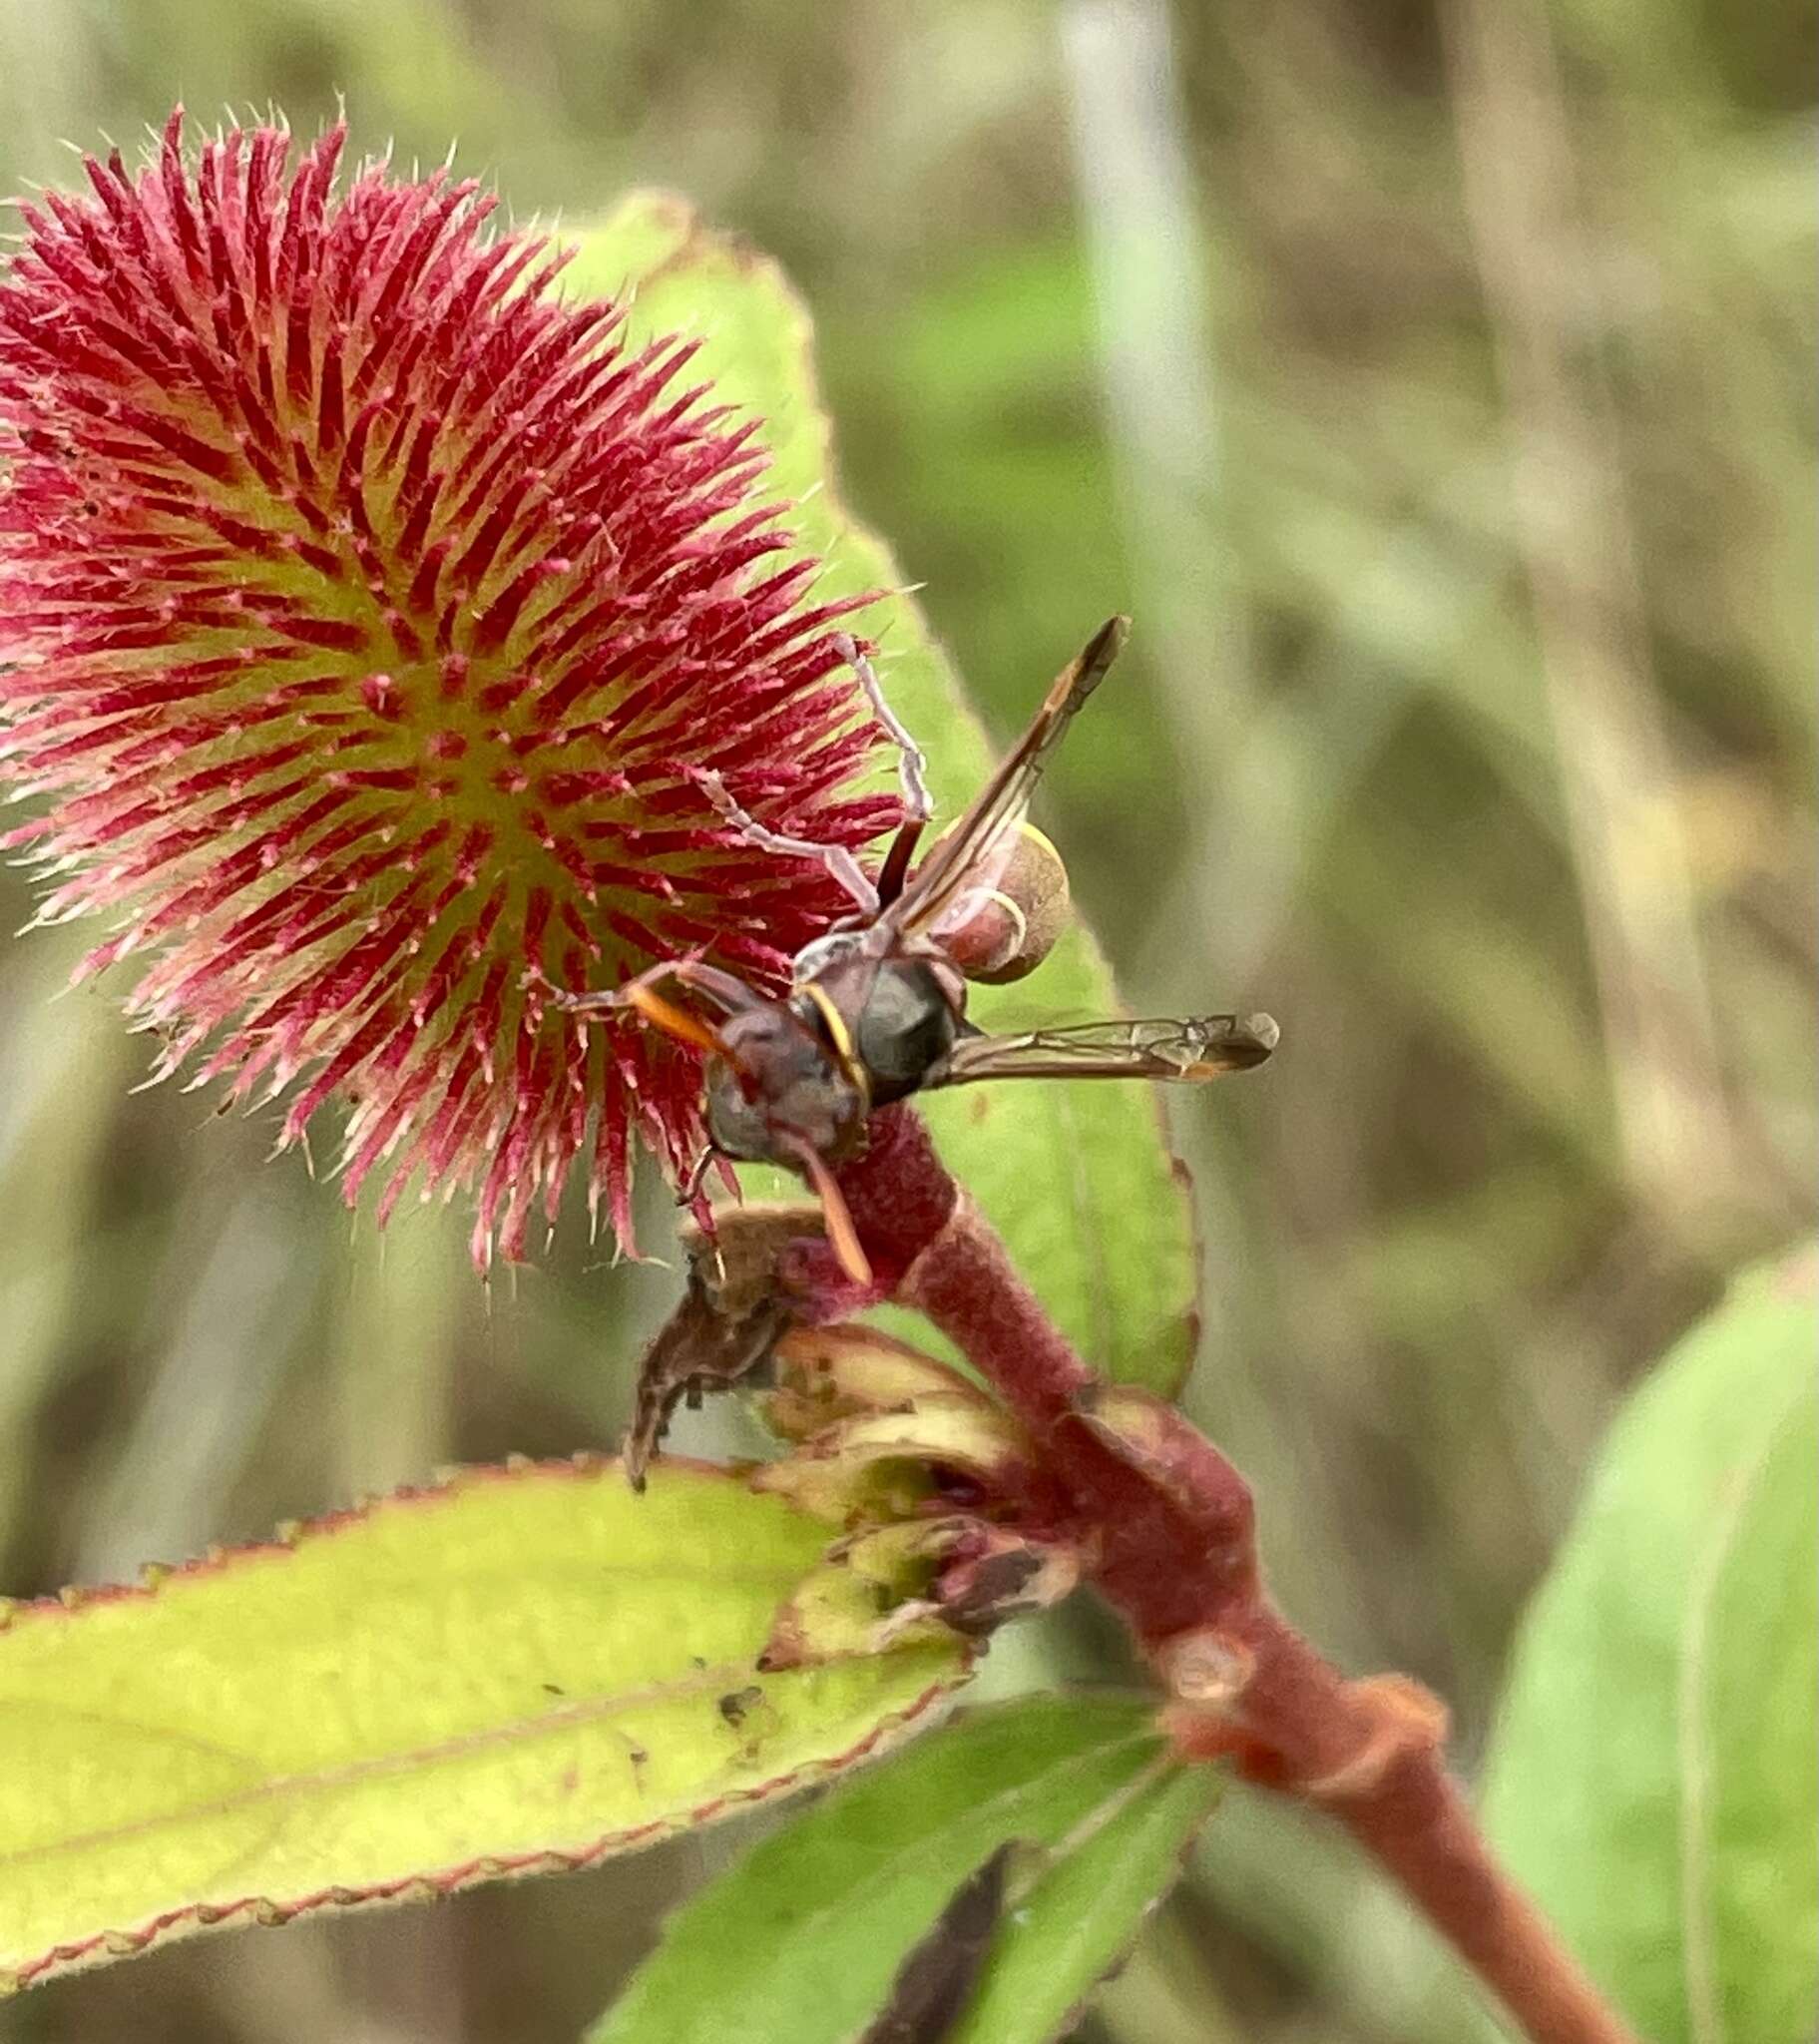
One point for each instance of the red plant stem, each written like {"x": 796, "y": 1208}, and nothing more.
{"x": 1168, "y": 1525}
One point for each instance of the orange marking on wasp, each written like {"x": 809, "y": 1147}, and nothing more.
{"x": 673, "y": 1021}
{"x": 843, "y": 1234}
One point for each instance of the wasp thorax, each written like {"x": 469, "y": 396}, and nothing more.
{"x": 1006, "y": 930}
{"x": 908, "y": 1024}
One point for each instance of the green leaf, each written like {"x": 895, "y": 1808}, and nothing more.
{"x": 799, "y": 1943}
{"x": 1077, "y": 1179}
{"x": 518, "y": 1671}
{"x": 1653, "y": 1777}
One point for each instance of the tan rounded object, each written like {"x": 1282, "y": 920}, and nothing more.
{"x": 999, "y": 933}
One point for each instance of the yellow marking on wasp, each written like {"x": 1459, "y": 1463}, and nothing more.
{"x": 839, "y": 1035}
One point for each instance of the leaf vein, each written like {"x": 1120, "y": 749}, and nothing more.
{"x": 1698, "y": 1932}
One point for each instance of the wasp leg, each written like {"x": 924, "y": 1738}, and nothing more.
{"x": 729, "y": 994}
{"x": 689, "y": 1191}
{"x": 835, "y": 858}
{"x": 836, "y": 1216}
{"x": 912, "y": 764}
{"x": 607, "y": 999}
{"x": 895, "y": 871}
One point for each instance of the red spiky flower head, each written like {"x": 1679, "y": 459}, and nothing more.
{"x": 369, "y": 619}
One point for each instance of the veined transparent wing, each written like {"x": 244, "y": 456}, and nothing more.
{"x": 970, "y": 859}
{"x": 1191, "y": 1049}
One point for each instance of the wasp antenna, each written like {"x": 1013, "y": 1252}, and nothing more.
{"x": 841, "y": 1232}
{"x": 693, "y": 1186}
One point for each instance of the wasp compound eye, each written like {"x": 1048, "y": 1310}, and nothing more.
{"x": 1000, "y": 932}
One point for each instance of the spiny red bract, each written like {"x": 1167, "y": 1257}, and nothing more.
{"x": 369, "y": 619}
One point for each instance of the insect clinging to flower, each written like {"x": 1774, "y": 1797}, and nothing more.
{"x": 374, "y": 625}
{"x": 403, "y": 662}
{"x": 876, "y": 1009}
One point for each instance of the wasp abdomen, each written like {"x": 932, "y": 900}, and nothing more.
{"x": 1000, "y": 932}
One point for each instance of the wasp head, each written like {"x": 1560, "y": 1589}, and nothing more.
{"x": 781, "y": 1087}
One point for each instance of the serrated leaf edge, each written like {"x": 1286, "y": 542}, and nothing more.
{"x": 116, "y": 1943}
{"x": 156, "y": 1577}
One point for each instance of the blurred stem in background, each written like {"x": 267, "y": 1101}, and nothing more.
{"x": 1159, "y": 368}
{"x": 210, "y": 1390}
{"x": 60, "y": 1062}
{"x": 1256, "y": 766}
{"x": 1536, "y": 252}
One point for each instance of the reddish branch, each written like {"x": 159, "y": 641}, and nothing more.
{"x": 1167, "y": 1526}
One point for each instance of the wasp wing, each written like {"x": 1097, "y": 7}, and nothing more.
{"x": 970, "y": 857}
{"x": 1192, "y": 1049}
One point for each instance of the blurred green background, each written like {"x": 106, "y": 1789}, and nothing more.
{"x": 1433, "y": 382}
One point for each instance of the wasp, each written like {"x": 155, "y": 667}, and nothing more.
{"x": 876, "y": 1008}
